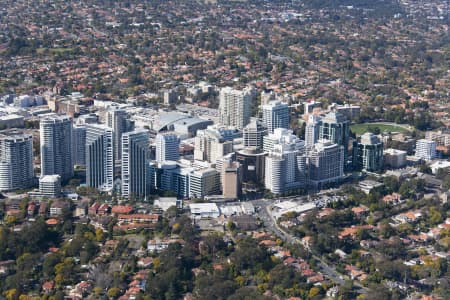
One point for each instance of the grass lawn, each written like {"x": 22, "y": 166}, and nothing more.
{"x": 360, "y": 129}
{"x": 54, "y": 50}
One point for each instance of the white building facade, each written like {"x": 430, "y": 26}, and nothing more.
{"x": 426, "y": 149}
{"x": 56, "y": 146}
{"x": 135, "y": 158}
{"x": 275, "y": 115}
{"x": 235, "y": 106}
{"x": 100, "y": 157}
{"x": 167, "y": 145}
{"x": 16, "y": 162}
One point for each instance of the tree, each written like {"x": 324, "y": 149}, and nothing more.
{"x": 282, "y": 278}
{"x": 248, "y": 254}
{"x": 99, "y": 235}
{"x": 11, "y": 294}
{"x": 214, "y": 287}
{"x": 314, "y": 291}
{"x": 378, "y": 292}
{"x": 171, "y": 212}
{"x": 247, "y": 293}
{"x": 113, "y": 292}
{"x": 434, "y": 216}
{"x": 446, "y": 182}
{"x": 50, "y": 261}
{"x": 346, "y": 290}
{"x": 231, "y": 226}
{"x": 64, "y": 272}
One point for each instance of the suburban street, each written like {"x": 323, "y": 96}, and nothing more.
{"x": 264, "y": 212}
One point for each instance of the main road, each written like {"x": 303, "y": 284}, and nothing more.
{"x": 265, "y": 214}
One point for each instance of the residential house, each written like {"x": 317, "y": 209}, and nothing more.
{"x": 145, "y": 262}
{"x": 137, "y": 218}
{"x": 351, "y": 232}
{"x": 103, "y": 209}
{"x": 360, "y": 211}
{"x": 80, "y": 210}
{"x": 307, "y": 242}
{"x": 6, "y": 266}
{"x": 48, "y": 287}
{"x": 157, "y": 245}
{"x": 57, "y": 208}
{"x": 408, "y": 217}
{"x": 43, "y": 206}
{"x": 93, "y": 209}
{"x": 392, "y": 199}
{"x": 31, "y": 209}
{"x": 121, "y": 209}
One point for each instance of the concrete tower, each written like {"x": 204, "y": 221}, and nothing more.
{"x": 100, "y": 157}
{"x": 56, "y": 146}
{"x": 135, "y": 158}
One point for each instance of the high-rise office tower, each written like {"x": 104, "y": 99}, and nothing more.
{"x": 253, "y": 134}
{"x": 252, "y": 161}
{"x": 213, "y": 143}
{"x": 312, "y": 130}
{"x": 87, "y": 119}
{"x": 117, "y": 120}
{"x": 267, "y": 96}
{"x": 282, "y": 171}
{"x": 281, "y": 165}
{"x": 56, "y": 146}
{"x": 169, "y": 176}
{"x": 425, "y": 149}
{"x": 204, "y": 182}
{"x": 324, "y": 163}
{"x": 167, "y": 147}
{"x": 231, "y": 180}
{"x": 281, "y": 136}
{"x": 275, "y": 115}
{"x": 335, "y": 127}
{"x": 79, "y": 145}
{"x": 100, "y": 157}
{"x": 16, "y": 162}
{"x": 275, "y": 168}
{"x": 235, "y": 106}
{"x": 135, "y": 158}
{"x": 441, "y": 137}
{"x": 368, "y": 153}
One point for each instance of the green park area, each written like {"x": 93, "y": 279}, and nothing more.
{"x": 53, "y": 50}
{"x": 376, "y": 128}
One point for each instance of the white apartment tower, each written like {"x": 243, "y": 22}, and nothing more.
{"x": 117, "y": 120}
{"x": 312, "y": 130}
{"x": 213, "y": 143}
{"x": 167, "y": 147}
{"x": 135, "y": 158}
{"x": 79, "y": 145}
{"x": 275, "y": 115}
{"x": 235, "y": 106}
{"x": 253, "y": 134}
{"x": 282, "y": 170}
{"x": 281, "y": 136}
{"x": 325, "y": 163}
{"x": 16, "y": 162}
{"x": 426, "y": 149}
{"x": 100, "y": 157}
{"x": 56, "y": 146}
{"x": 281, "y": 165}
